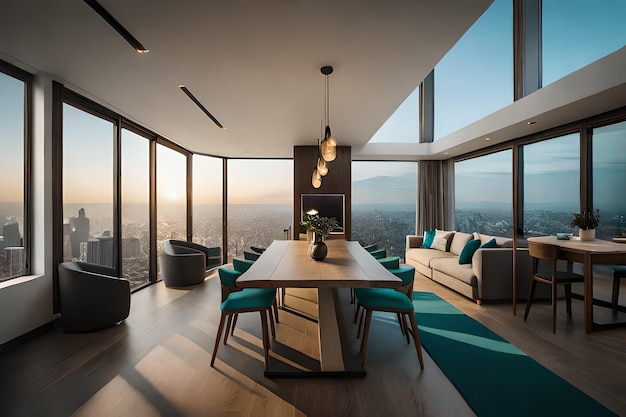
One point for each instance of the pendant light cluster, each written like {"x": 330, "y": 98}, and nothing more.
{"x": 327, "y": 149}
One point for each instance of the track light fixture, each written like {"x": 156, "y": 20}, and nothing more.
{"x": 200, "y": 105}
{"x": 97, "y": 7}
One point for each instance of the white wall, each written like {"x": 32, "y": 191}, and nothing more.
{"x": 26, "y": 302}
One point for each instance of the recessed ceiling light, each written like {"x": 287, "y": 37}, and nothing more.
{"x": 531, "y": 122}
{"x": 446, "y": 153}
{"x": 487, "y": 138}
{"x": 200, "y": 105}
{"x": 97, "y": 7}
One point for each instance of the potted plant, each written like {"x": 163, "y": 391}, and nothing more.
{"x": 321, "y": 228}
{"x": 586, "y": 223}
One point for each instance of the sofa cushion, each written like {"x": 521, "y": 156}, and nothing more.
{"x": 501, "y": 242}
{"x": 441, "y": 240}
{"x": 425, "y": 256}
{"x": 490, "y": 244}
{"x": 468, "y": 251}
{"x": 451, "y": 266}
{"x": 459, "y": 240}
{"x": 428, "y": 238}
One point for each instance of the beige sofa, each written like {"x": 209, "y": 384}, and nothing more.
{"x": 487, "y": 277}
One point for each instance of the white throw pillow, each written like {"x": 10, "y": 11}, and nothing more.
{"x": 440, "y": 242}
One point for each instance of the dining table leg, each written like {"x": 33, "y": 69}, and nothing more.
{"x": 331, "y": 354}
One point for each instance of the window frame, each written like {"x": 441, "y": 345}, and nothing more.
{"x": 27, "y": 78}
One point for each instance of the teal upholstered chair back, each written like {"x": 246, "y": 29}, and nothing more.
{"x": 390, "y": 262}
{"x": 405, "y": 273}
{"x": 228, "y": 277}
{"x": 242, "y": 265}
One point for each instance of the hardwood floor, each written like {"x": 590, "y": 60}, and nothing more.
{"x": 156, "y": 363}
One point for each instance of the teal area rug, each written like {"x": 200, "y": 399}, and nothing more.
{"x": 494, "y": 377}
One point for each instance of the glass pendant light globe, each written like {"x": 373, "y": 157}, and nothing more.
{"x": 316, "y": 179}
{"x": 322, "y": 168}
{"x": 329, "y": 146}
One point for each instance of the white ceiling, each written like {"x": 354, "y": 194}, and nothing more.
{"x": 254, "y": 64}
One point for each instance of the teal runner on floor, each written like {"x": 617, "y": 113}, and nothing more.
{"x": 494, "y": 377}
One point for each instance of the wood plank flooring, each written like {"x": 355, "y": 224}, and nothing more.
{"x": 156, "y": 363}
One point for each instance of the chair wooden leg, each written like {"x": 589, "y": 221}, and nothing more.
{"x": 266, "y": 338}
{"x": 529, "y": 301}
{"x": 234, "y": 323}
{"x": 217, "y": 338}
{"x": 275, "y": 308}
{"x": 357, "y": 308}
{"x": 615, "y": 296}
{"x": 271, "y": 317}
{"x": 568, "y": 298}
{"x": 554, "y": 288}
{"x": 360, "y": 325}
{"x": 416, "y": 339}
{"x": 366, "y": 329}
{"x": 228, "y": 324}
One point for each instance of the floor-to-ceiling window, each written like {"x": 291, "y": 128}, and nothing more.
{"x": 403, "y": 125}
{"x": 260, "y": 201}
{"x": 207, "y": 200}
{"x": 475, "y": 78}
{"x": 384, "y": 197}
{"x": 577, "y": 32}
{"x": 171, "y": 173}
{"x": 483, "y": 194}
{"x": 88, "y": 181}
{"x": 551, "y": 185}
{"x": 13, "y": 138}
{"x": 135, "y": 205}
{"x": 609, "y": 178}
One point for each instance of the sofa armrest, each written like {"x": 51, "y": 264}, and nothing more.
{"x": 414, "y": 241}
{"x": 493, "y": 268}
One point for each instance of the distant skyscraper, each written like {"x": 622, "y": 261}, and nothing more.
{"x": 79, "y": 231}
{"x": 100, "y": 251}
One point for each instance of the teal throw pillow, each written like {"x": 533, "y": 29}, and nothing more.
{"x": 468, "y": 251}
{"x": 429, "y": 236}
{"x": 491, "y": 244}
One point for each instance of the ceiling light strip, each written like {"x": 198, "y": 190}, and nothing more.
{"x": 204, "y": 109}
{"x": 97, "y": 7}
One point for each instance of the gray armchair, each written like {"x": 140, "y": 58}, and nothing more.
{"x": 91, "y": 297}
{"x": 182, "y": 265}
{"x": 213, "y": 255}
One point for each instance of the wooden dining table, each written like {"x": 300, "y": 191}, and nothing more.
{"x": 288, "y": 264}
{"x": 588, "y": 253}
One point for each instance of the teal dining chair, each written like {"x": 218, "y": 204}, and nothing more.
{"x": 378, "y": 253}
{"x": 399, "y": 301}
{"x": 237, "y": 301}
{"x": 241, "y": 266}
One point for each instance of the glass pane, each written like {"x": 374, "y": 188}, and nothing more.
{"x": 384, "y": 197}
{"x": 609, "y": 173}
{"x": 207, "y": 200}
{"x": 475, "y": 78}
{"x": 87, "y": 187}
{"x": 403, "y": 126}
{"x": 578, "y": 32}
{"x": 483, "y": 194}
{"x": 12, "y": 257}
{"x": 260, "y": 203}
{"x": 135, "y": 208}
{"x": 171, "y": 195}
{"x": 551, "y": 185}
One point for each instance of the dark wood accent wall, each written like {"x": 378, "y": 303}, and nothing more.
{"x": 337, "y": 181}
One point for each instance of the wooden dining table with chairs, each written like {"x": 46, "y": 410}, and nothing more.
{"x": 587, "y": 253}
{"x": 288, "y": 264}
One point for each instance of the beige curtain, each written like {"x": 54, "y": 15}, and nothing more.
{"x": 430, "y": 213}
{"x": 435, "y": 207}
